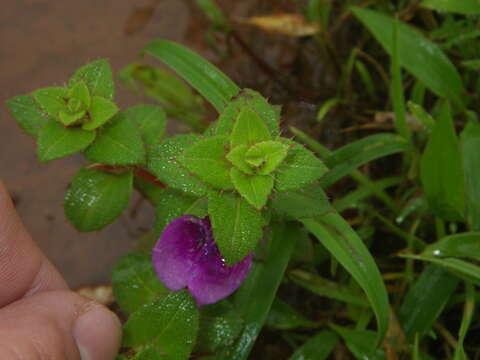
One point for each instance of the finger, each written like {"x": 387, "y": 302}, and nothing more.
{"x": 24, "y": 270}
{"x": 58, "y": 325}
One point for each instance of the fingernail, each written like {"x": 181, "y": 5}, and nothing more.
{"x": 97, "y": 334}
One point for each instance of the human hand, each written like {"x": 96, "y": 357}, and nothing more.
{"x": 40, "y": 318}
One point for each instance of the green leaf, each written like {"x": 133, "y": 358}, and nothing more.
{"x": 441, "y": 170}
{"x": 214, "y": 85}
{"x": 284, "y": 317}
{"x": 149, "y": 353}
{"x": 459, "y": 268}
{"x": 269, "y": 115}
{"x": 470, "y": 147}
{"x": 170, "y": 322}
{"x": 80, "y": 93}
{"x": 163, "y": 163}
{"x": 355, "y": 198}
{"x": 237, "y": 157}
{"x": 215, "y": 15}
{"x": 351, "y": 156}
{"x": 150, "y": 120}
{"x": 360, "y": 342}
{"x": 118, "y": 143}
{"x": 101, "y": 110}
{"x": 463, "y": 245}
{"x": 355, "y": 174}
{"x": 344, "y": 244}
{"x": 300, "y": 168}
{"x": 300, "y": 203}
{"x": 51, "y": 99}
{"x": 27, "y": 114}
{"x": 254, "y": 188}
{"x": 420, "y": 114}
{"x": 69, "y": 119}
{"x": 237, "y": 227}
{"x": 396, "y": 87}
{"x": 425, "y": 300}
{"x": 206, "y": 159}
{"x": 255, "y": 297}
{"x": 177, "y": 98}
{"x": 249, "y": 129}
{"x": 271, "y": 154}
{"x": 95, "y": 198}
{"x": 423, "y": 58}
{"x": 326, "y": 288}
{"x": 98, "y": 77}
{"x": 465, "y": 7}
{"x": 468, "y": 312}
{"x": 56, "y": 141}
{"x": 173, "y": 204}
{"x": 135, "y": 282}
{"x": 221, "y": 324}
{"x": 318, "y": 347}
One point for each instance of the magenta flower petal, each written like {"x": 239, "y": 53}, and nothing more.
{"x": 186, "y": 256}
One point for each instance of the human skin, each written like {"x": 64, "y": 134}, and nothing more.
{"x": 40, "y": 318}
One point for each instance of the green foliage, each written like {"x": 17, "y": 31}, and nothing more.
{"x": 150, "y": 120}
{"x": 206, "y": 159}
{"x": 249, "y": 129}
{"x": 51, "y": 100}
{"x": 462, "y": 245}
{"x": 424, "y": 59}
{"x": 163, "y": 162}
{"x": 176, "y": 98}
{"x": 215, "y": 15}
{"x": 466, "y": 7}
{"x": 425, "y": 301}
{"x": 135, "y": 282}
{"x": 98, "y": 77}
{"x": 221, "y": 325}
{"x": 101, "y": 110}
{"x": 266, "y": 156}
{"x": 95, "y": 198}
{"x": 318, "y": 347}
{"x": 470, "y": 144}
{"x": 238, "y": 233}
{"x": 255, "y": 298}
{"x": 300, "y": 168}
{"x": 360, "y": 342}
{"x": 217, "y": 88}
{"x": 349, "y": 250}
{"x": 56, "y": 141}
{"x": 268, "y": 195}
{"x": 173, "y": 204}
{"x": 170, "y": 324}
{"x": 301, "y": 203}
{"x": 351, "y": 156}
{"x": 253, "y": 100}
{"x": 441, "y": 170}
{"x": 118, "y": 143}
{"x": 254, "y": 188}
{"x": 284, "y": 317}
{"x": 27, "y": 113}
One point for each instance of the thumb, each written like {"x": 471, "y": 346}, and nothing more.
{"x": 58, "y": 325}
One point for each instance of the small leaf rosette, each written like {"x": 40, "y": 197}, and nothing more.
{"x": 186, "y": 256}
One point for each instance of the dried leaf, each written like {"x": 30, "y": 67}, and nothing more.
{"x": 286, "y": 24}
{"x": 101, "y": 293}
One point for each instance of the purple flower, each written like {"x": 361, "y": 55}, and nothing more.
{"x": 186, "y": 256}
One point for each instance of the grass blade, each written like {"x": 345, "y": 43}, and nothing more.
{"x": 208, "y": 80}
{"x": 349, "y": 250}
